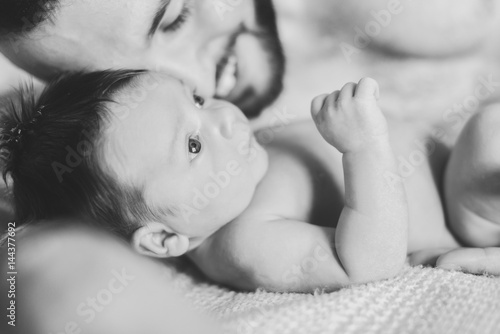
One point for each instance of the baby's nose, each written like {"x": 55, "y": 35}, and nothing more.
{"x": 227, "y": 127}
{"x": 230, "y": 118}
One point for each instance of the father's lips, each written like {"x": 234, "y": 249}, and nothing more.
{"x": 226, "y": 76}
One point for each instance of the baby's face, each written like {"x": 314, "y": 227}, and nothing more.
{"x": 198, "y": 158}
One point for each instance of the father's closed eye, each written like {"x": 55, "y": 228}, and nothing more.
{"x": 172, "y": 13}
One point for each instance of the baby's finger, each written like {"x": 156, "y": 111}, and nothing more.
{"x": 368, "y": 88}
{"x": 472, "y": 260}
{"x": 317, "y": 104}
{"x": 347, "y": 92}
{"x": 320, "y": 101}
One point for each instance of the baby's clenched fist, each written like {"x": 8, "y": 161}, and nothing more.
{"x": 350, "y": 119}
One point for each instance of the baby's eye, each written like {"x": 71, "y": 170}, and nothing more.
{"x": 199, "y": 102}
{"x": 194, "y": 146}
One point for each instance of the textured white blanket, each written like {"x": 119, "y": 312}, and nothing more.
{"x": 419, "y": 300}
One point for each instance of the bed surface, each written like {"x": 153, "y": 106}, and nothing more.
{"x": 419, "y": 300}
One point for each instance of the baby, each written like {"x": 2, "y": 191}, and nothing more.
{"x": 324, "y": 205}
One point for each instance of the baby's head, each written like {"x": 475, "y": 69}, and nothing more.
{"x": 136, "y": 151}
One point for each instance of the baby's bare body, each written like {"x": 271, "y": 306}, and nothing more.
{"x": 292, "y": 219}
{"x": 310, "y": 186}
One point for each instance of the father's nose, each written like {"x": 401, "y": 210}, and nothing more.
{"x": 199, "y": 61}
{"x": 196, "y": 71}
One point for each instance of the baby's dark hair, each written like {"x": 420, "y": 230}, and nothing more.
{"x": 51, "y": 156}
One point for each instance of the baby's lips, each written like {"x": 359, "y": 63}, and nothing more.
{"x": 317, "y": 104}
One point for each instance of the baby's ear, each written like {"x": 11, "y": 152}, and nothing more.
{"x": 155, "y": 240}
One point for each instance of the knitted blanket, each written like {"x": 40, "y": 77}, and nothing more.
{"x": 419, "y": 300}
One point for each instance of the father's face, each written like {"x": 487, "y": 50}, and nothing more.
{"x": 226, "y": 48}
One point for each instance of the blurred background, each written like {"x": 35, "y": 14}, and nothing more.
{"x": 426, "y": 55}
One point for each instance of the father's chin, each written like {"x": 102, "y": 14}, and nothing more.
{"x": 261, "y": 63}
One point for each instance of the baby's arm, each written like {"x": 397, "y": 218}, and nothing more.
{"x": 277, "y": 254}
{"x": 371, "y": 236}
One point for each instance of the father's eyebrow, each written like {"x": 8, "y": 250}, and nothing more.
{"x": 160, "y": 12}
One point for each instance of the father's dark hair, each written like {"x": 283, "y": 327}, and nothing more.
{"x": 51, "y": 154}
{"x": 23, "y": 16}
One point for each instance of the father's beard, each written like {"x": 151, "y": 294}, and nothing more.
{"x": 251, "y": 100}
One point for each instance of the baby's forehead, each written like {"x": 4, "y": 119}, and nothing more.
{"x": 153, "y": 79}
{"x": 143, "y": 85}
{"x": 150, "y": 99}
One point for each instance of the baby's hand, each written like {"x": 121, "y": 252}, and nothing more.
{"x": 350, "y": 119}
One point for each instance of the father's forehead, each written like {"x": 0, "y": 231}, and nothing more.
{"x": 125, "y": 17}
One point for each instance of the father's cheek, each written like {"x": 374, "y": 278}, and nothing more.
{"x": 226, "y": 13}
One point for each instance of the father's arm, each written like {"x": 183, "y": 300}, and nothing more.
{"x": 77, "y": 280}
